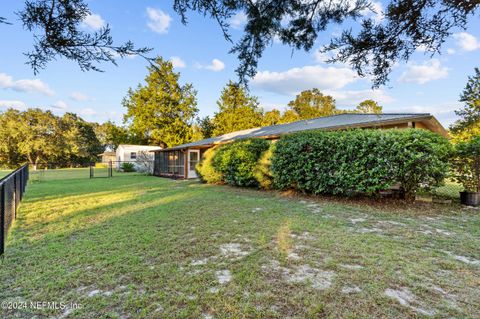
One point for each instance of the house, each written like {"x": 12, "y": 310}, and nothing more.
{"x": 139, "y": 155}
{"x": 107, "y": 157}
{"x": 180, "y": 161}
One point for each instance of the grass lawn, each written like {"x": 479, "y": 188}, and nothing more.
{"x": 145, "y": 247}
{"x": 451, "y": 189}
{"x": 4, "y": 173}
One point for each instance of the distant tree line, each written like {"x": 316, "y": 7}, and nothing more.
{"x": 163, "y": 112}
{"x": 37, "y": 136}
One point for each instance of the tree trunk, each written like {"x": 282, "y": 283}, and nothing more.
{"x": 30, "y": 160}
{"x": 36, "y": 163}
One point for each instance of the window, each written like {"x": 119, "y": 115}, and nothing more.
{"x": 133, "y": 155}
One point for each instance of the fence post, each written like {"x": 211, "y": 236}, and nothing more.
{"x": 15, "y": 196}
{"x": 110, "y": 169}
{"x": 2, "y": 218}
{"x": 91, "y": 170}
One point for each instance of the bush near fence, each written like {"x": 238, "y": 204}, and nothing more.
{"x": 333, "y": 162}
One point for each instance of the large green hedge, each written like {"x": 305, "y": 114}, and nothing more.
{"x": 205, "y": 169}
{"x": 236, "y": 161}
{"x": 337, "y": 162}
{"x": 263, "y": 171}
{"x": 360, "y": 161}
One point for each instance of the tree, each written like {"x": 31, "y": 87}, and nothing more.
{"x": 144, "y": 162}
{"x": 206, "y": 126}
{"x": 60, "y": 35}
{"x": 272, "y": 117}
{"x": 79, "y": 143}
{"x": 289, "y": 116}
{"x": 371, "y": 46}
{"x": 162, "y": 110}
{"x": 38, "y": 135}
{"x": 10, "y": 155}
{"x": 111, "y": 135}
{"x": 237, "y": 110}
{"x": 469, "y": 124}
{"x": 312, "y": 103}
{"x": 196, "y": 133}
{"x": 369, "y": 106}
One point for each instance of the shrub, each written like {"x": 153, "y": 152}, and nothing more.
{"x": 359, "y": 161}
{"x": 236, "y": 161}
{"x": 205, "y": 169}
{"x": 127, "y": 167}
{"x": 422, "y": 159}
{"x": 262, "y": 171}
{"x": 467, "y": 164}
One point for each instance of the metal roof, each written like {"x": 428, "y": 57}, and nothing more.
{"x": 328, "y": 122}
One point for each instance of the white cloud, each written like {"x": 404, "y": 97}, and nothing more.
{"x": 322, "y": 57}
{"x": 434, "y": 109}
{"x": 444, "y": 112}
{"x": 36, "y": 85}
{"x": 116, "y": 55}
{"x": 295, "y": 80}
{"x": 277, "y": 39}
{"x": 376, "y": 12}
{"x": 215, "y": 66}
{"x": 6, "y": 81}
{"x": 79, "y": 97}
{"x": 425, "y": 72}
{"x": 422, "y": 48}
{"x": 268, "y": 105}
{"x": 238, "y": 20}
{"x": 88, "y": 111}
{"x": 451, "y": 51}
{"x": 25, "y": 85}
{"x": 93, "y": 21}
{"x": 13, "y": 104}
{"x": 60, "y": 105}
{"x": 158, "y": 21}
{"x": 466, "y": 41}
{"x": 177, "y": 62}
{"x": 351, "y": 98}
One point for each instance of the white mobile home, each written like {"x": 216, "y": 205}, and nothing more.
{"x": 139, "y": 155}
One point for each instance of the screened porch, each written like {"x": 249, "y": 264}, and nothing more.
{"x": 170, "y": 163}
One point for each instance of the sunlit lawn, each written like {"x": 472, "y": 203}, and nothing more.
{"x": 144, "y": 247}
{"x": 4, "y": 173}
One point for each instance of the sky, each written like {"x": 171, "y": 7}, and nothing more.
{"x": 200, "y": 53}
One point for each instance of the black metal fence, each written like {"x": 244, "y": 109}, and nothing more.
{"x": 118, "y": 168}
{"x": 74, "y": 171}
{"x": 12, "y": 188}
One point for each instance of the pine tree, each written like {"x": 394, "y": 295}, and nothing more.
{"x": 468, "y": 125}
{"x": 237, "y": 110}
{"x": 161, "y": 111}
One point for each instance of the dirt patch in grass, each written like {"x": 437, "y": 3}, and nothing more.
{"x": 407, "y": 299}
